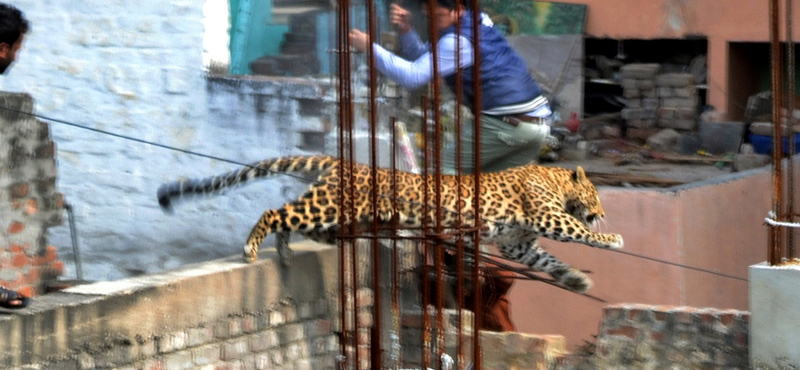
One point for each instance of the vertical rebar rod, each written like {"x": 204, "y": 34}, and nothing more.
{"x": 460, "y": 260}
{"x": 426, "y": 189}
{"x": 375, "y": 332}
{"x": 477, "y": 111}
{"x": 775, "y": 232}
{"x": 395, "y": 299}
{"x": 790, "y": 88}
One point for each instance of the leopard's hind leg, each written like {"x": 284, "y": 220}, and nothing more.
{"x": 291, "y": 217}
{"x": 531, "y": 254}
{"x": 282, "y": 245}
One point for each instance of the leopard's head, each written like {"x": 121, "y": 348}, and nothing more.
{"x": 583, "y": 201}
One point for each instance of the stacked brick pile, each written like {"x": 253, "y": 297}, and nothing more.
{"x": 647, "y": 337}
{"x": 29, "y": 203}
{"x": 656, "y": 101}
{"x": 639, "y": 89}
{"x": 678, "y": 101}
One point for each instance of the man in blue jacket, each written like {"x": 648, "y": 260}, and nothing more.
{"x": 515, "y": 115}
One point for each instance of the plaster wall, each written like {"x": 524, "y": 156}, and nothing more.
{"x": 130, "y": 73}
{"x": 720, "y": 22}
{"x": 717, "y": 226}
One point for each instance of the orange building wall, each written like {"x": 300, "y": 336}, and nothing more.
{"x": 719, "y": 21}
{"x": 716, "y": 226}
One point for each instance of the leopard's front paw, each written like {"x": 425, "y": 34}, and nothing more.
{"x": 616, "y": 241}
{"x": 608, "y": 241}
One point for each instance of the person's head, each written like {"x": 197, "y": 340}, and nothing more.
{"x": 13, "y": 27}
{"x": 446, "y": 12}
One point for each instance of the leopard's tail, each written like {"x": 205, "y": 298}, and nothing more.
{"x": 170, "y": 192}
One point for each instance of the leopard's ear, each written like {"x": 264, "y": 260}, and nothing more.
{"x": 579, "y": 175}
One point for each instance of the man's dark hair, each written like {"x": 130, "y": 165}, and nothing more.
{"x": 449, "y": 4}
{"x": 12, "y": 24}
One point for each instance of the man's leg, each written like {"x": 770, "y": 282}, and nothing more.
{"x": 502, "y": 146}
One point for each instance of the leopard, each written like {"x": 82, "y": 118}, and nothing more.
{"x": 517, "y": 206}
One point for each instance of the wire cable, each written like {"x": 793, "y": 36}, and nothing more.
{"x": 217, "y": 158}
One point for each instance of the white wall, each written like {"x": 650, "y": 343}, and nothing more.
{"x": 134, "y": 67}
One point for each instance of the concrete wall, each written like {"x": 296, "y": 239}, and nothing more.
{"x": 225, "y": 314}
{"x": 135, "y": 68}
{"x": 715, "y": 225}
{"x": 720, "y": 22}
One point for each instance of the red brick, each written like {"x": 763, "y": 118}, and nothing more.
{"x": 32, "y": 277}
{"x": 727, "y": 318}
{"x": 50, "y": 254}
{"x": 633, "y": 313}
{"x": 19, "y": 190}
{"x": 741, "y": 339}
{"x": 59, "y": 200}
{"x": 625, "y": 331}
{"x": 46, "y": 150}
{"x": 56, "y": 268}
{"x": 16, "y": 227}
{"x": 19, "y": 260}
{"x": 658, "y": 336}
{"x": 31, "y": 207}
{"x": 682, "y": 315}
{"x": 27, "y": 291}
{"x": 19, "y": 248}
{"x": 614, "y": 312}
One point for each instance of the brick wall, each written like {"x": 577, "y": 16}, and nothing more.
{"x": 30, "y": 202}
{"x": 644, "y": 337}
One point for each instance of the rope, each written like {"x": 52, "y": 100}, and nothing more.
{"x": 770, "y": 220}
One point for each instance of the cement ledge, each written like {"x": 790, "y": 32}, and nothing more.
{"x": 57, "y": 324}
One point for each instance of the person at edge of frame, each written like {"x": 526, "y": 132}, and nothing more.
{"x": 13, "y": 28}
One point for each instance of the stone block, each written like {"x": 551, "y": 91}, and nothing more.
{"x": 721, "y": 137}
{"x": 640, "y": 71}
{"x": 675, "y": 79}
{"x": 633, "y": 103}
{"x": 678, "y": 124}
{"x": 744, "y": 162}
{"x": 629, "y": 84}
{"x": 665, "y": 92}
{"x": 650, "y": 103}
{"x": 646, "y": 85}
{"x": 679, "y": 102}
{"x": 611, "y": 131}
{"x": 664, "y": 141}
{"x": 685, "y": 92}
{"x": 666, "y": 113}
{"x": 629, "y": 94}
{"x": 638, "y": 113}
